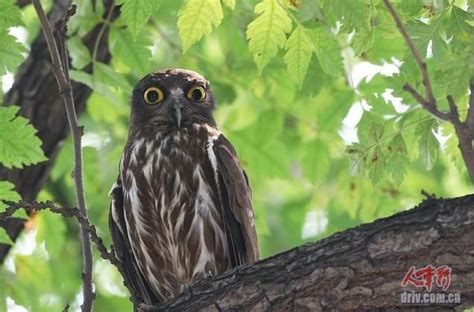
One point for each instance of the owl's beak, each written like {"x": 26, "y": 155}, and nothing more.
{"x": 177, "y": 111}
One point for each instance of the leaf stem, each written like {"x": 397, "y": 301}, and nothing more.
{"x": 60, "y": 70}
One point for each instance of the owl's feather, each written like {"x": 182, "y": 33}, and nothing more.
{"x": 182, "y": 205}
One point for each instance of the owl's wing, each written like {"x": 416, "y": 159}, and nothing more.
{"x": 123, "y": 249}
{"x": 237, "y": 204}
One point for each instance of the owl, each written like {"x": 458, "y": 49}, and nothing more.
{"x": 181, "y": 206}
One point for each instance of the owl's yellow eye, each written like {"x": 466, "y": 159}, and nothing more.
{"x": 197, "y": 94}
{"x": 153, "y": 95}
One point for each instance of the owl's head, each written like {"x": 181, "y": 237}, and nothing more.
{"x": 172, "y": 98}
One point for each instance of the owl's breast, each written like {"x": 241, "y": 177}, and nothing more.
{"x": 173, "y": 211}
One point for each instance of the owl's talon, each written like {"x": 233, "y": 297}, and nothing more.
{"x": 208, "y": 274}
{"x": 187, "y": 289}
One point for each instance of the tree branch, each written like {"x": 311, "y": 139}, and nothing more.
{"x": 426, "y": 105}
{"x": 464, "y": 137}
{"x": 358, "y": 269}
{"x": 464, "y": 130}
{"x": 470, "y": 111}
{"x": 62, "y": 78}
{"x": 67, "y": 212}
{"x": 35, "y": 92}
{"x": 418, "y": 58}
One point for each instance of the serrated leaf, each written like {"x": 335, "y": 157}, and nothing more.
{"x": 8, "y": 193}
{"x": 267, "y": 33}
{"x": 10, "y": 52}
{"x": 80, "y": 55}
{"x": 229, "y": 3}
{"x": 197, "y": 18}
{"x": 105, "y": 74}
{"x": 328, "y": 52}
{"x": 363, "y": 40}
{"x": 427, "y": 143}
{"x": 93, "y": 83}
{"x": 422, "y": 34}
{"x": 396, "y": 158}
{"x": 19, "y": 145}
{"x": 136, "y": 14}
{"x": 352, "y": 14}
{"x": 135, "y": 53}
{"x": 453, "y": 72}
{"x": 376, "y": 164}
{"x": 457, "y": 24}
{"x": 299, "y": 50}
{"x": 10, "y": 14}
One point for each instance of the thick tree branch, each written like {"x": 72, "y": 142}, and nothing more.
{"x": 464, "y": 130}
{"x": 358, "y": 269}
{"x": 60, "y": 67}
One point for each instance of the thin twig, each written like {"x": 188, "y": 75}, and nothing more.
{"x": 419, "y": 60}
{"x": 464, "y": 130}
{"x": 66, "y": 91}
{"x": 432, "y": 109}
{"x": 428, "y": 195}
{"x": 68, "y": 212}
{"x": 101, "y": 32}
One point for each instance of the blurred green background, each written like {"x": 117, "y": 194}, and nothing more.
{"x": 307, "y": 155}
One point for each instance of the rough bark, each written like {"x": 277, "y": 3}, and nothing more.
{"x": 36, "y": 92}
{"x": 358, "y": 269}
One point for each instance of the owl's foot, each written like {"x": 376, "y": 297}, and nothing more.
{"x": 186, "y": 289}
{"x": 206, "y": 275}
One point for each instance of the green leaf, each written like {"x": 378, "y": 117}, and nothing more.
{"x": 135, "y": 53}
{"x": 105, "y": 74}
{"x": 4, "y": 238}
{"x": 80, "y": 55}
{"x": 10, "y": 52}
{"x": 453, "y": 72}
{"x": 19, "y": 145}
{"x": 229, "y": 3}
{"x": 10, "y": 14}
{"x": 328, "y": 52}
{"x": 7, "y": 192}
{"x": 299, "y": 49}
{"x": 397, "y": 158}
{"x": 196, "y": 18}
{"x": 51, "y": 230}
{"x": 457, "y": 24}
{"x": 316, "y": 160}
{"x": 136, "y": 14}
{"x": 352, "y": 14}
{"x": 363, "y": 40}
{"x": 427, "y": 143}
{"x": 267, "y": 33}
{"x": 422, "y": 34}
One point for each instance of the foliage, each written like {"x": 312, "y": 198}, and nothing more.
{"x": 18, "y": 144}
{"x": 285, "y": 76}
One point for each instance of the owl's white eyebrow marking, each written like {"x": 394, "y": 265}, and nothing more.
{"x": 176, "y": 92}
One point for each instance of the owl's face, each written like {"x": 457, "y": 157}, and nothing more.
{"x": 172, "y": 98}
